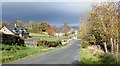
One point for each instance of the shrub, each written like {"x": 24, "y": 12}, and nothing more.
{"x": 49, "y": 43}
{"x": 84, "y": 44}
{"x": 108, "y": 59}
{"x": 12, "y": 40}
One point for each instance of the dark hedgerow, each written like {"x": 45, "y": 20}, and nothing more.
{"x": 49, "y": 43}
{"x": 11, "y": 40}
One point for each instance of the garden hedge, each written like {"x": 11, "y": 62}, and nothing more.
{"x": 11, "y": 39}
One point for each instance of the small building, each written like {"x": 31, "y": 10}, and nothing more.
{"x": 58, "y": 34}
{"x": 73, "y": 31}
{"x": 15, "y": 30}
{"x": 32, "y": 42}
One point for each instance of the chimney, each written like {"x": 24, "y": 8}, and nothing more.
{"x": 15, "y": 25}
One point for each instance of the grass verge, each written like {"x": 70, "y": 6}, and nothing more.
{"x": 88, "y": 57}
{"x": 12, "y": 53}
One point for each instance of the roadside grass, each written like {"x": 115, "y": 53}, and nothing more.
{"x": 87, "y": 57}
{"x": 12, "y": 53}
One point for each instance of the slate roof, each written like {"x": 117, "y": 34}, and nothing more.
{"x": 17, "y": 29}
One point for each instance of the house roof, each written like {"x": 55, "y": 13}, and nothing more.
{"x": 13, "y": 27}
{"x": 17, "y": 29}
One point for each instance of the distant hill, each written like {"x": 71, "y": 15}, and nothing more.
{"x": 75, "y": 27}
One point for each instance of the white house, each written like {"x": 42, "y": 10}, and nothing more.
{"x": 15, "y": 30}
{"x": 73, "y": 31}
{"x": 58, "y": 34}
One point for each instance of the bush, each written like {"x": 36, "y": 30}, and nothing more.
{"x": 49, "y": 43}
{"x": 84, "y": 44}
{"x": 107, "y": 59}
{"x": 12, "y": 40}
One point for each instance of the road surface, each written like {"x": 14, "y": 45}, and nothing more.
{"x": 69, "y": 55}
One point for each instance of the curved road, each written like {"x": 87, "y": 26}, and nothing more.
{"x": 69, "y": 55}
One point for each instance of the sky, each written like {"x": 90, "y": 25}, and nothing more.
{"x": 57, "y": 0}
{"x": 55, "y": 13}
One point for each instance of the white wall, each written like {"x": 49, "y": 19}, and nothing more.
{"x": 6, "y": 31}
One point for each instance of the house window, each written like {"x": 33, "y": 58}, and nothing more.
{"x": 17, "y": 31}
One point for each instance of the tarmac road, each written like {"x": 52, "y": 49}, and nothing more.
{"x": 69, "y": 55}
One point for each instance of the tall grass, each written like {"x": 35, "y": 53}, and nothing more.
{"x": 87, "y": 57}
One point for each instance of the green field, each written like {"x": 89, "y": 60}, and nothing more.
{"x": 12, "y": 53}
{"x": 49, "y": 38}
